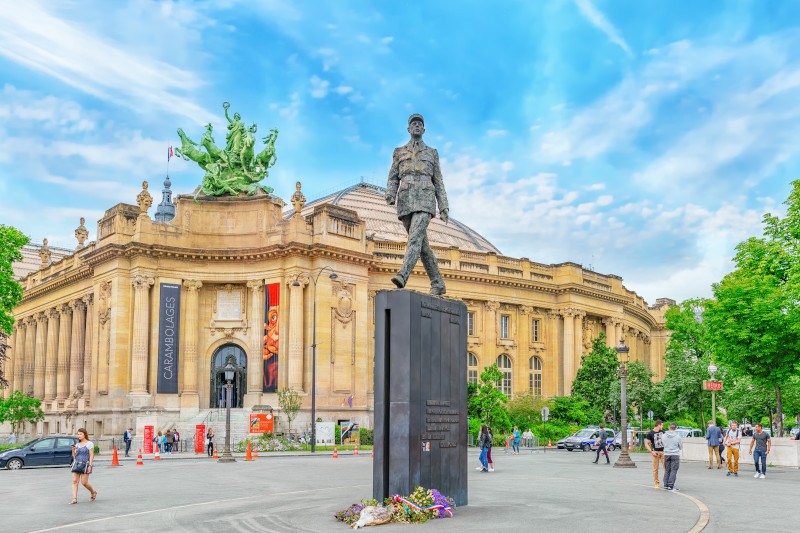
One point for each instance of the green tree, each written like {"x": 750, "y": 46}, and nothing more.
{"x": 754, "y": 318}
{"x": 689, "y": 353}
{"x": 596, "y": 375}
{"x": 641, "y": 391}
{"x": 489, "y": 403}
{"x": 572, "y": 411}
{"x": 11, "y": 242}
{"x": 3, "y": 358}
{"x": 19, "y": 408}
{"x": 525, "y": 409}
{"x": 290, "y": 403}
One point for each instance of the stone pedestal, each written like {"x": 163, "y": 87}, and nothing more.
{"x": 420, "y": 395}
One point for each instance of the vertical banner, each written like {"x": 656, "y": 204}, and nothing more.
{"x": 169, "y": 320}
{"x": 271, "y": 315}
{"x": 200, "y": 438}
{"x": 148, "y": 439}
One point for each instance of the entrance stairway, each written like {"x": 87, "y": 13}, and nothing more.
{"x": 215, "y": 418}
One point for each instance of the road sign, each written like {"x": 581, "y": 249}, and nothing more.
{"x": 712, "y": 385}
{"x": 650, "y": 415}
{"x": 545, "y": 413}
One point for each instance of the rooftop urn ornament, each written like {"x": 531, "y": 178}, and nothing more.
{"x": 144, "y": 200}
{"x": 298, "y": 199}
{"x": 415, "y": 185}
{"x": 44, "y": 253}
{"x": 235, "y": 169}
{"x": 81, "y": 233}
{"x": 166, "y": 209}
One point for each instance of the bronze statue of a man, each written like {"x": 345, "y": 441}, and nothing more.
{"x": 415, "y": 185}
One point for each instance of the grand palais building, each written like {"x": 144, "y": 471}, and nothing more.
{"x": 136, "y": 327}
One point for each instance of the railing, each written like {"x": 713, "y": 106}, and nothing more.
{"x": 472, "y": 256}
{"x": 508, "y": 261}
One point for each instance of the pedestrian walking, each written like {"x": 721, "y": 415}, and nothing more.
{"x": 489, "y": 453}
{"x": 732, "y": 442}
{"x": 672, "y": 455}
{"x": 177, "y": 445}
{"x": 485, "y": 444}
{"x": 722, "y": 445}
{"x": 515, "y": 443}
{"x": 763, "y": 445}
{"x": 654, "y": 442}
{"x": 602, "y": 441}
{"x": 83, "y": 457}
{"x": 528, "y": 438}
{"x": 169, "y": 440}
{"x": 127, "y": 437}
{"x": 714, "y": 438}
{"x": 210, "y": 441}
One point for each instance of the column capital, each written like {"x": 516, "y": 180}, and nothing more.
{"x": 88, "y": 299}
{"x": 553, "y": 314}
{"x": 53, "y": 312}
{"x": 255, "y": 284}
{"x": 30, "y": 320}
{"x": 41, "y": 316}
{"x": 77, "y": 304}
{"x": 492, "y": 305}
{"x": 142, "y": 282}
{"x": 303, "y": 279}
{"x": 192, "y": 284}
{"x": 608, "y": 321}
{"x": 65, "y": 309}
{"x": 526, "y": 310}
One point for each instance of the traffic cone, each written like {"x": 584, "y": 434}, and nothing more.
{"x": 372, "y": 454}
{"x": 115, "y": 459}
{"x": 249, "y": 455}
{"x": 356, "y": 451}
{"x": 139, "y": 461}
{"x": 157, "y": 457}
{"x": 255, "y": 451}
{"x": 549, "y": 443}
{"x": 630, "y": 446}
{"x": 215, "y": 453}
{"x": 335, "y": 452}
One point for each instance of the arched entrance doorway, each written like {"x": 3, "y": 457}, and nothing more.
{"x": 228, "y": 353}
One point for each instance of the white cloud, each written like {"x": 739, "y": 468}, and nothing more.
{"x": 605, "y": 199}
{"x": 31, "y": 36}
{"x": 55, "y": 113}
{"x": 319, "y": 87}
{"x": 343, "y": 89}
{"x": 496, "y": 133}
{"x": 387, "y": 40}
{"x": 599, "y": 20}
{"x": 596, "y": 187}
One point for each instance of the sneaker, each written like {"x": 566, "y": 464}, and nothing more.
{"x": 491, "y": 469}
{"x": 656, "y": 484}
{"x": 728, "y": 474}
{"x": 676, "y": 489}
{"x": 479, "y": 468}
{"x": 757, "y": 474}
{"x": 736, "y": 474}
{"x": 762, "y": 476}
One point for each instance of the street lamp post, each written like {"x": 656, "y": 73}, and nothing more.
{"x": 333, "y": 275}
{"x": 226, "y": 455}
{"x": 624, "y": 460}
{"x": 712, "y": 369}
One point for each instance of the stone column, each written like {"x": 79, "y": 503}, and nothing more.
{"x": 76, "y": 347}
{"x": 30, "y": 354}
{"x": 191, "y": 326}
{"x": 553, "y": 368}
{"x": 51, "y": 357}
{"x": 19, "y": 356}
{"x": 608, "y": 322}
{"x": 618, "y": 330}
{"x": 296, "y": 328}
{"x": 569, "y": 348}
{"x": 39, "y": 359}
{"x": 255, "y": 365}
{"x": 141, "y": 330}
{"x": 64, "y": 344}
{"x": 576, "y": 364}
{"x": 88, "y": 301}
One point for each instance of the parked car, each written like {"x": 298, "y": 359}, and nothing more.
{"x": 617, "y": 443}
{"x": 690, "y": 432}
{"x": 45, "y": 451}
{"x": 585, "y": 439}
{"x": 560, "y": 444}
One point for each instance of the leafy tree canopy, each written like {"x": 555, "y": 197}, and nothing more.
{"x": 11, "y": 242}
{"x": 488, "y": 404}
{"x": 596, "y": 375}
{"x": 19, "y": 408}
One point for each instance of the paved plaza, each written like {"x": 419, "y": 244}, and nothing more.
{"x": 553, "y": 491}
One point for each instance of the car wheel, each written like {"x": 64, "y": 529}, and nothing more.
{"x": 587, "y": 448}
{"x": 569, "y": 449}
{"x": 14, "y": 464}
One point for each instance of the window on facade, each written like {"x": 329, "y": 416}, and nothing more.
{"x": 535, "y": 377}
{"x": 470, "y": 323}
{"x": 504, "y": 364}
{"x": 472, "y": 368}
{"x": 504, "y": 319}
{"x": 535, "y": 330}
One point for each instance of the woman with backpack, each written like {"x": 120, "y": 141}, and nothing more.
{"x": 485, "y": 444}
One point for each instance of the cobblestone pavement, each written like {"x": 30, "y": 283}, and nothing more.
{"x": 553, "y": 491}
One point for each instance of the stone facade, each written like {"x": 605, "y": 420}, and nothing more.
{"x": 86, "y": 334}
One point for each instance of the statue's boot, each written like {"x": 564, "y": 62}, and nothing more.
{"x": 432, "y": 268}
{"x": 399, "y": 281}
{"x": 437, "y": 289}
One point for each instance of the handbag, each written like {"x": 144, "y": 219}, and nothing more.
{"x": 79, "y": 467}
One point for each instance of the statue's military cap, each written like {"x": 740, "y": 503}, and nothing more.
{"x": 416, "y": 116}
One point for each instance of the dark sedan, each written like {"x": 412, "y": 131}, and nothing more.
{"x": 40, "y": 452}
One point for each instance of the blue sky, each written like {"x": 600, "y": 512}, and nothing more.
{"x": 644, "y": 139}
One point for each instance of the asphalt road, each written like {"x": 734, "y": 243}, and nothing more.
{"x": 554, "y": 491}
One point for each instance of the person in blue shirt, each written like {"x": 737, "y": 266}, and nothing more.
{"x": 515, "y": 444}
